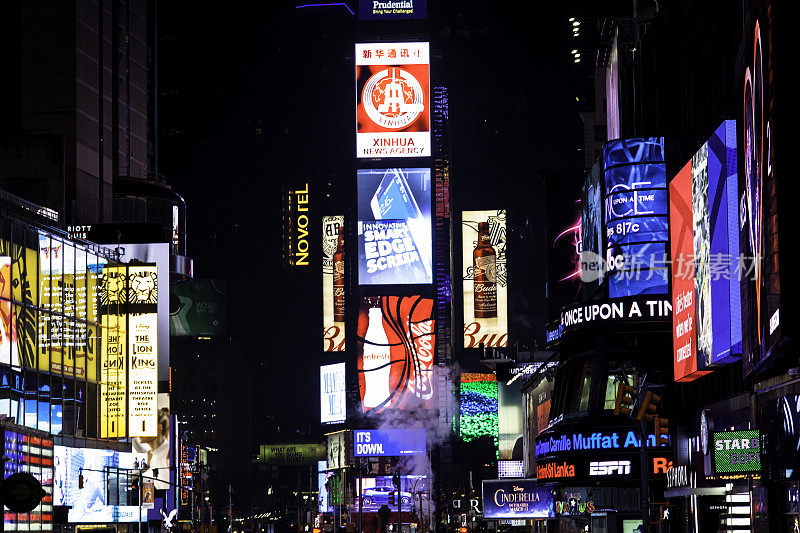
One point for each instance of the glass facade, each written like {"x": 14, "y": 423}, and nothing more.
{"x": 50, "y": 331}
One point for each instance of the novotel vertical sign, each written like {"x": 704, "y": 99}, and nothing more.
{"x": 388, "y": 442}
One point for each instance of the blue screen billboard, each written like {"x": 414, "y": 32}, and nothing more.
{"x": 394, "y": 226}
{"x": 636, "y": 222}
{"x": 388, "y": 442}
{"x": 516, "y": 499}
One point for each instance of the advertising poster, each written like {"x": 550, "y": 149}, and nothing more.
{"x": 392, "y": 100}
{"x": 19, "y": 322}
{"x": 157, "y": 448}
{"x": 91, "y": 504}
{"x": 516, "y": 499}
{"x": 155, "y": 253}
{"x": 395, "y": 352}
{"x": 636, "y": 216}
{"x": 142, "y": 375}
{"x": 394, "y": 226}
{"x": 377, "y": 491}
{"x": 758, "y": 193}
{"x": 332, "y": 393}
{"x": 199, "y": 308}
{"x": 7, "y": 333}
{"x": 392, "y": 9}
{"x": 704, "y": 244}
{"x": 478, "y": 407}
{"x": 485, "y": 278}
{"x": 388, "y": 442}
{"x": 113, "y": 367}
{"x": 592, "y": 228}
{"x": 684, "y": 324}
{"x": 737, "y": 451}
{"x": 291, "y": 454}
{"x": 333, "y": 283}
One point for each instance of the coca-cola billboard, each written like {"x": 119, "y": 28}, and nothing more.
{"x": 395, "y": 352}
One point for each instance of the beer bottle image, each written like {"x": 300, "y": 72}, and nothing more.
{"x": 376, "y": 361}
{"x": 484, "y": 274}
{"x": 338, "y": 279}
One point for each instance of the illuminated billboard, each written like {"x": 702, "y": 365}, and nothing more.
{"x": 333, "y": 283}
{"x": 394, "y": 226}
{"x": 737, "y": 451}
{"x": 396, "y": 342}
{"x": 388, "y": 442}
{"x": 379, "y": 491}
{"x": 485, "y": 278}
{"x": 332, "y": 393}
{"x": 113, "y": 361}
{"x": 516, "y": 498}
{"x": 199, "y": 308}
{"x": 392, "y": 100}
{"x": 157, "y": 448}
{"x": 704, "y": 243}
{"x": 635, "y": 216}
{"x": 760, "y": 282}
{"x": 591, "y": 251}
{"x": 478, "y": 408}
{"x": 392, "y": 9}
{"x": 107, "y": 495}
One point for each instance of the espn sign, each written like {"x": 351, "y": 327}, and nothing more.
{"x": 609, "y": 468}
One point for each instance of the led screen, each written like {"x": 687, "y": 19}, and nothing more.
{"x": 392, "y": 9}
{"x": 395, "y": 352}
{"x": 377, "y": 491}
{"x": 388, "y": 442}
{"x": 518, "y": 498}
{"x": 760, "y": 283}
{"x": 737, "y": 451}
{"x": 333, "y": 283}
{"x": 392, "y": 100}
{"x": 394, "y": 226}
{"x": 592, "y": 227}
{"x": 478, "y": 406}
{"x": 635, "y": 215}
{"x": 332, "y": 393}
{"x": 199, "y": 308}
{"x": 704, "y": 245}
{"x": 104, "y": 480}
{"x": 485, "y": 278}
{"x": 157, "y": 448}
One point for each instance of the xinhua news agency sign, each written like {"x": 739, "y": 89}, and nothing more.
{"x": 737, "y": 451}
{"x": 388, "y": 442}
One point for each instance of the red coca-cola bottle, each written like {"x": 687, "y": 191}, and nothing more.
{"x": 338, "y": 279}
{"x": 484, "y": 269}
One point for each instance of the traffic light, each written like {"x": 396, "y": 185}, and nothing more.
{"x": 80, "y": 479}
{"x": 649, "y": 406}
{"x": 396, "y": 479}
{"x": 662, "y": 430}
{"x": 624, "y": 403}
{"x": 392, "y": 498}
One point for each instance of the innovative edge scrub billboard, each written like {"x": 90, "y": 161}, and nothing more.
{"x": 485, "y": 278}
{"x": 333, "y": 283}
{"x": 395, "y": 353}
{"x": 392, "y": 100}
{"x": 394, "y": 226}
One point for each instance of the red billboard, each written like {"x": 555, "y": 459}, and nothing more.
{"x": 395, "y": 352}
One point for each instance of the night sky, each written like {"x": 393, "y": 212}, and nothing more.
{"x": 251, "y": 99}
